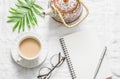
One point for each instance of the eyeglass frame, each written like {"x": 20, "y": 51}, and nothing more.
{"x": 60, "y": 62}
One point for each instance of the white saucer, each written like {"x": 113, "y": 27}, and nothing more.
{"x": 29, "y": 64}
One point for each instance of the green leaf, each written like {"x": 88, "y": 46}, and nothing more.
{"x": 26, "y": 0}
{"x": 27, "y": 21}
{"x": 16, "y": 10}
{"x": 32, "y": 2}
{"x": 37, "y": 6}
{"x": 23, "y": 6}
{"x": 21, "y": 2}
{"x": 15, "y": 26}
{"x": 31, "y": 18}
{"x": 20, "y": 25}
{"x": 23, "y": 24}
{"x": 12, "y": 20}
{"x": 24, "y": 14}
{"x": 37, "y": 12}
{"x": 14, "y": 17}
{"x": 13, "y": 9}
{"x": 34, "y": 18}
{"x": 12, "y": 12}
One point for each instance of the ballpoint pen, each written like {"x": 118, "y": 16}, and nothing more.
{"x": 100, "y": 62}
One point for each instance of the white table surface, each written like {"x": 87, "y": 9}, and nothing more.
{"x": 104, "y": 17}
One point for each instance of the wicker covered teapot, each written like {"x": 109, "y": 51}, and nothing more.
{"x": 67, "y": 11}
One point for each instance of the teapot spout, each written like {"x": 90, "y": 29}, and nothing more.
{"x": 47, "y": 12}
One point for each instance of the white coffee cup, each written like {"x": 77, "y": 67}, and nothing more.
{"x": 41, "y": 54}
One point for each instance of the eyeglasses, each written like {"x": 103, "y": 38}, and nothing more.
{"x": 56, "y": 61}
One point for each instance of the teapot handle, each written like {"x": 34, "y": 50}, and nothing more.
{"x": 67, "y": 25}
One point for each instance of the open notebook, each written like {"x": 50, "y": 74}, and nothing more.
{"x": 84, "y": 53}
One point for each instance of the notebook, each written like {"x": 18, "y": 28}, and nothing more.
{"x": 84, "y": 53}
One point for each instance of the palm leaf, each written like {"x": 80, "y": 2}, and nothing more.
{"x": 37, "y": 6}
{"x": 26, "y": 0}
{"x": 20, "y": 25}
{"x": 12, "y": 20}
{"x": 21, "y": 2}
{"x": 32, "y": 1}
{"x": 17, "y": 16}
{"x": 23, "y": 23}
{"x": 31, "y": 18}
{"x": 37, "y": 12}
{"x": 34, "y": 18}
{"x": 23, "y": 6}
{"x": 27, "y": 21}
{"x": 24, "y": 14}
{"x": 12, "y": 12}
{"x": 15, "y": 26}
{"x": 13, "y": 9}
{"x": 16, "y": 10}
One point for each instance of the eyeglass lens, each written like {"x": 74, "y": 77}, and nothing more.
{"x": 55, "y": 59}
{"x": 43, "y": 73}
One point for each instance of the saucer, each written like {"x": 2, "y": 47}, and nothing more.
{"x": 25, "y": 63}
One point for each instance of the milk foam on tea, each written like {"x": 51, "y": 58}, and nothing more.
{"x": 29, "y": 47}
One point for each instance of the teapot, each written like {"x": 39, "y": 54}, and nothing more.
{"x": 67, "y": 11}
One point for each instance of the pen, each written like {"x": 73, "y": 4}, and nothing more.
{"x": 100, "y": 62}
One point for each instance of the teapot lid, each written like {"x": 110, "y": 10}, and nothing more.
{"x": 66, "y": 5}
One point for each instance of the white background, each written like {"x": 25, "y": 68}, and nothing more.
{"x": 104, "y": 17}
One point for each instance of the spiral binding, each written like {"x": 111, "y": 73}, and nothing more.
{"x": 68, "y": 58}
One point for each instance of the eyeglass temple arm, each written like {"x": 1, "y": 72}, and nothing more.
{"x": 59, "y": 56}
{"x": 42, "y": 75}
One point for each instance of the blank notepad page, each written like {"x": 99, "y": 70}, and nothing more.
{"x": 85, "y": 51}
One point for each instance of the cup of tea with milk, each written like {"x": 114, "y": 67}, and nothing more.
{"x": 30, "y": 49}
